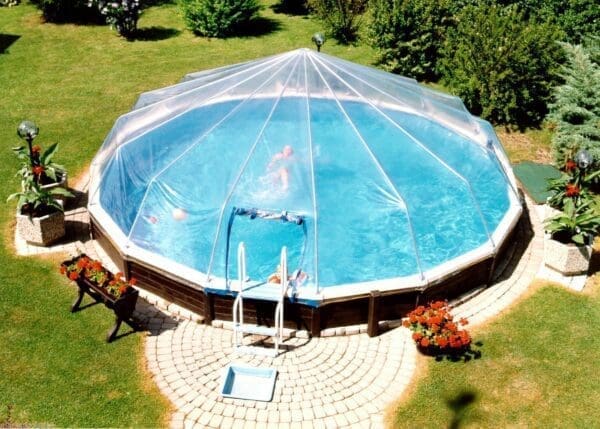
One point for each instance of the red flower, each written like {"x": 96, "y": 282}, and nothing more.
{"x": 123, "y": 289}
{"x": 424, "y": 342}
{"x": 36, "y": 149}
{"x": 572, "y": 190}
{"x": 463, "y": 321}
{"x": 437, "y": 305}
{"x": 405, "y": 323}
{"x": 96, "y": 266}
{"x": 419, "y": 310}
{"x": 38, "y": 170}
{"x": 63, "y": 269}
{"x": 82, "y": 263}
{"x": 412, "y": 318}
{"x": 441, "y": 341}
{"x": 417, "y": 336}
{"x": 570, "y": 165}
{"x": 73, "y": 275}
{"x": 133, "y": 281}
{"x": 119, "y": 275}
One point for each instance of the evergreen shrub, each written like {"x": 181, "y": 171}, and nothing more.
{"x": 342, "y": 18}
{"x": 503, "y": 66}
{"x": 575, "y": 112}
{"x": 218, "y": 18}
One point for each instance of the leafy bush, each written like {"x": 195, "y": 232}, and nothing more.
{"x": 218, "y": 18}
{"x": 576, "y": 109}
{"x": 504, "y": 67}
{"x": 577, "y": 18}
{"x": 67, "y": 11}
{"x": 123, "y": 15}
{"x": 342, "y": 18}
{"x": 409, "y": 34}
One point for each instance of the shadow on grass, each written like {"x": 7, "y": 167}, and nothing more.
{"x": 6, "y": 40}
{"x": 153, "y": 34}
{"x": 257, "y": 27}
{"x": 291, "y": 7}
{"x": 466, "y": 355}
{"x": 459, "y": 405}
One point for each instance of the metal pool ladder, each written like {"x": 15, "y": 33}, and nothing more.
{"x": 239, "y": 327}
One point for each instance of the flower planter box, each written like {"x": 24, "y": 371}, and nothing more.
{"x": 122, "y": 306}
{"x": 41, "y": 230}
{"x": 568, "y": 259}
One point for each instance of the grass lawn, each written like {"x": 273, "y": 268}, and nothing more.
{"x": 539, "y": 368}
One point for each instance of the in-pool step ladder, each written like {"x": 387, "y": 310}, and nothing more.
{"x": 240, "y": 328}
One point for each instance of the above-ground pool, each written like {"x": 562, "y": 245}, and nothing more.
{"x": 365, "y": 190}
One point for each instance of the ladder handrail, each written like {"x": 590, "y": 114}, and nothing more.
{"x": 238, "y": 304}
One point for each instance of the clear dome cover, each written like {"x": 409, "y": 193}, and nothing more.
{"x": 371, "y": 180}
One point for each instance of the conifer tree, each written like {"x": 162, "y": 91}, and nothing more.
{"x": 576, "y": 109}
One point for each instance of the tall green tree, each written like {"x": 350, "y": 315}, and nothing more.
{"x": 576, "y": 109}
{"x": 409, "y": 34}
{"x": 502, "y": 65}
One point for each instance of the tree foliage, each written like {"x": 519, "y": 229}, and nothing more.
{"x": 576, "y": 109}
{"x": 577, "y": 18}
{"x": 503, "y": 66}
{"x": 218, "y": 18}
{"x": 409, "y": 34}
{"x": 342, "y": 18}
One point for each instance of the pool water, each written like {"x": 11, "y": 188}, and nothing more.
{"x": 382, "y": 193}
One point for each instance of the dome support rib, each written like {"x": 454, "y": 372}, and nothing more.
{"x": 244, "y": 165}
{"x": 200, "y": 139}
{"x": 410, "y": 136}
{"x": 312, "y": 175}
{"x": 381, "y": 170}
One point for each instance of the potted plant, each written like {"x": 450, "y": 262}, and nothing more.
{"x": 113, "y": 290}
{"x": 435, "y": 332}
{"x": 568, "y": 245}
{"x": 40, "y": 217}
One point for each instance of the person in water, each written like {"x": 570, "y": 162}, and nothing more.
{"x": 280, "y": 162}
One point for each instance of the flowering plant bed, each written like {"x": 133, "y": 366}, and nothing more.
{"x": 435, "y": 332}
{"x": 103, "y": 286}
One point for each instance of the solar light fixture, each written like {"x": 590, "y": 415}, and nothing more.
{"x": 28, "y": 130}
{"x": 583, "y": 159}
{"x": 318, "y": 40}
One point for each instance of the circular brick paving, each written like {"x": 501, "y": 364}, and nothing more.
{"x": 322, "y": 382}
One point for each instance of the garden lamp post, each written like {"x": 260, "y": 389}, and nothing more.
{"x": 28, "y": 130}
{"x": 318, "y": 40}
{"x": 583, "y": 159}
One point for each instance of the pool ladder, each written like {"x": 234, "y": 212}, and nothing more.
{"x": 240, "y": 328}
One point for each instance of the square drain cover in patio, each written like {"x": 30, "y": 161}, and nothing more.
{"x": 246, "y": 382}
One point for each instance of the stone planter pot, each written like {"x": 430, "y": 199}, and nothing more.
{"x": 41, "y": 230}
{"x": 568, "y": 259}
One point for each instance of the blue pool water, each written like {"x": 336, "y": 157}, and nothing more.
{"x": 381, "y": 197}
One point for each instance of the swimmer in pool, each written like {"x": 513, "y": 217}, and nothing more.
{"x": 280, "y": 162}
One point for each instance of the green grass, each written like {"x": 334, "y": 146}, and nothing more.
{"x": 539, "y": 368}
{"x": 74, "y": 82}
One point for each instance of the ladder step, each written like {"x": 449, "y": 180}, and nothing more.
{"x": 256, "y": 351}
{"x": 256, "y": 330}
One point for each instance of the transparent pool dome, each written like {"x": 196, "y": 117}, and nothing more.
{"x": 371, "y": 180}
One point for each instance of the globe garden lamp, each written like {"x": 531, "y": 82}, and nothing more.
{"x": 584, "y": 159}
{"x": 28, "y": 130}
{"x": 318, "y": 40}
